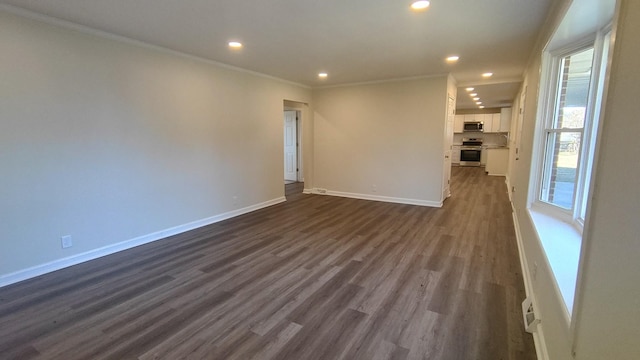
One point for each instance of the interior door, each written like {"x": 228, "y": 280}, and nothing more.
{"x": 448, "y": 143}
{"x": 290, "y": 146}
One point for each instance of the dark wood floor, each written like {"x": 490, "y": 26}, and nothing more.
{"x": 293, "y": 190}
{"x": 317, "y": 277}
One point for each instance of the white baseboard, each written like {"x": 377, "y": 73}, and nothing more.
{"x": 127, "y": 244}
{"x": 538, "y": 335}
{"x": 320, "y": 191}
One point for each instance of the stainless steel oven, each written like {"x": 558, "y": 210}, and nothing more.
{"x": 470, "y": 152}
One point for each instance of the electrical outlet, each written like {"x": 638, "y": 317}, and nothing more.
{"x": 67, "y": 242}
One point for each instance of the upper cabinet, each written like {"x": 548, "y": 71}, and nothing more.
{"x": 505, "y": 119}
{"x": 488, "y": 124}
{"x": 493, "y": 123}
{"x": 471, "y": 117}
{"x": 458, "y": 123}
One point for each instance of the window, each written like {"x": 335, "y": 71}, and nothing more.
{"x": 574, "y": 85}
{"x": 563, "y": 134}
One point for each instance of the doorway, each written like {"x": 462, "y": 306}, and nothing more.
{"x": 293, "y": 185}
{"x": 290, "y": 146}
{"x": 292, "y": 134}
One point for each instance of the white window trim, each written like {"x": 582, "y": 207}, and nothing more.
{"x": 550, "y": 71}
{"x": 559, "y": 231}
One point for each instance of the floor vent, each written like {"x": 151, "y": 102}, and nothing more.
{"x": 530, "y": 319}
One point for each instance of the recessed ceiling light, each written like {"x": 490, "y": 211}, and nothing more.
{"x": 453, "y": 58}
{"x": 473, "y": 94}
{"x": 469, "y": 89}
{"x": 487, "y": 74}
{"x": 420, "y": 5}
{"x": 476, "y": 98}
{"x": 481, "y": 106}
{"x": 478, "y": 102}
{"x": 322, "y": 75}
{"x": 235, "y": 44}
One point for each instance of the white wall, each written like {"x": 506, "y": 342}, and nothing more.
{"x": 107, "y": 141}
{"x": 382, "y": 139}
{"x": 554, "y": 331}
{"x": 549, "y": 304}
{"x": 606, "y": 312}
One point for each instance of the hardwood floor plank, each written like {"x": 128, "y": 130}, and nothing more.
{"x": 132, "y": 344}
{"x": 493, "y": 325}
{"x": 60, "y": 322}
{"x": 325, "y": 294}
{"x": 448, "y": 286}
{"x": 316, "y": 277}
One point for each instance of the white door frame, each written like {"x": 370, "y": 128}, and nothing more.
{"x": 448, "y": 142}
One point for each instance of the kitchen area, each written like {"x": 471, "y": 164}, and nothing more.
{"x": 482, "y": 139}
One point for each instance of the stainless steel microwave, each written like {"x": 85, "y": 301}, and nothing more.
{"x": 475, "y": 126}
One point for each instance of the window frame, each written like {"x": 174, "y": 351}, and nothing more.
{"x": 550, "y": 84}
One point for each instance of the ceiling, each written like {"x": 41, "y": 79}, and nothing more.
{"x": 352, "y": 41}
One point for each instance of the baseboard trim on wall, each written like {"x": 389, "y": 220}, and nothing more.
{"x": 127, "y": 244}
{"x": 538, "y": 335}
{"x": 390, "y": 199}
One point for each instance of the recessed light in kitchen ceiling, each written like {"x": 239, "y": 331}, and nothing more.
{"x": 453, "y": 58}
{"x": 473, "y": 94}
{"x": 478, "y": 102}
{"x": 419, "y": 5}
{"x": 481, "y": 106}
{"x": 487, "y": 74}
{"x": 476, "y": 98}
{"x": 235, "y": 44}
{"x": 469, "y": 89}
{"x": 322, "y": 75}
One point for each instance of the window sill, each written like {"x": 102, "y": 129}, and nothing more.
{"x": 561, "y": 243}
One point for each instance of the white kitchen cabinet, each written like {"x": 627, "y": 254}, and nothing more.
{"x": 505, "y": 119}
{"x": 495, "y": 122}
{"x": 458, "y": 123}
{"x": 455, "y": 154}
{"x": 483, "y": 156}
{"x": 497, "y": 161}
{"x": 486, "y": 126}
